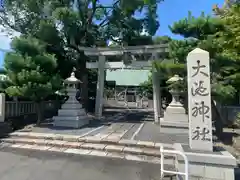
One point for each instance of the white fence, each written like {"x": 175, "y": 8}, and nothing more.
{"x": 18, "y": 108}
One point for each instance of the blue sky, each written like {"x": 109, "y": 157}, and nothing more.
{"x": 169, "y": 12}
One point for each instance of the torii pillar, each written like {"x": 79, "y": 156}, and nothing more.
{"x": 101, "y": 65}
{"x": 156, "y": 93}
{"x": 100, "y": 86}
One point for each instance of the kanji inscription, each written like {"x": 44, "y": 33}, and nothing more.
{"x": 199, "y": 100}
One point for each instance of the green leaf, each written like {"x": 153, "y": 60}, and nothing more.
{"x": 31, "y": 71}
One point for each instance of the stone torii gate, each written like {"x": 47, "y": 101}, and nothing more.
{"x": 155, "y": 50}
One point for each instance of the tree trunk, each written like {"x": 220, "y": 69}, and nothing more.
{"x": 39, "y": 113}
{"x": 82, "y": 74}
{"x": 84, "y": 95}
{"x": 218, "y": 122}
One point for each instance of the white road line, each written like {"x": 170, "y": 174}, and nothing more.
{"x": 125, "y": 132}
{"x": 117, "y": 116}
{"x": 137, "y": 131}
{"x": 93, "y": 130}
{"x": 120, "y": 135}
{"x": 109, "y": 130}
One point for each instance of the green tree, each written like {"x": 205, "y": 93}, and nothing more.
{"x": 229, "y": 39}
{"x": 66, "y": 25}
{"x": 205, "y": 32}
{"x": 219, "y": 35}
{"x": 4, "y": 80}
{"x": 32, "y": 71}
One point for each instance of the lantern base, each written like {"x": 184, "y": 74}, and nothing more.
{"x": 175, "y": 116}
{"x": 71, "y": 112}
{"x": 71, "y": 122}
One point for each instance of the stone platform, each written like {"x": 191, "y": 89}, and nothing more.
{"x": 216, "y": 165}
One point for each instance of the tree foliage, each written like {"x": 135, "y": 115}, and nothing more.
{"x": 69, "y": 24}
{"x": 74, "y": 23}
{"x": 220, "y": 36}
{"x": 230, "y": 40}
{"x": 31, "y": 70}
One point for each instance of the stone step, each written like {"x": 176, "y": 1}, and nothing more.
{"x": 168, "y": 165}
{"x": 124, "y": 149}
{"x": 90, "y": 139}
{"x": 89, "y": 146}
{"x": 122, "y": 152}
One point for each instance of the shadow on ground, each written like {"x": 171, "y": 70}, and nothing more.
{"x": 129, "y": 117}
{"x": 227, "y": 138}
{"x": 237, "y": 172}
{"x": 92, "y": 124}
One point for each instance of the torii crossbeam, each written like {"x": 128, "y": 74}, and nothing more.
{"x": 101, "y": 65}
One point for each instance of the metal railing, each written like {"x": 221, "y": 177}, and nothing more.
{"x": 173, "y": 152}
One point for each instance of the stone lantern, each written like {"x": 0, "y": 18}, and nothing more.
{"x": 175, "y": 90}
{"x": 72, "y": 113}
{"x": 175, "y": 113}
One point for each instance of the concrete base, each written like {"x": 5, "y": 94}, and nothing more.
{"x": 174, "y": 124}
{"x": 175, "y": 116}
{"x": 71, "y": 106}
{"x": 217, "y": 165}
{"x": 71, "y": 112}
{"x": 73, "y": 122}
{"x": 175, "y": 113}
{"x": 71, "y": 115}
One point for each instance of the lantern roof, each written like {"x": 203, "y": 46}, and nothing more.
{"x": 72, "y": 79}
{"x": 175, "y": 78}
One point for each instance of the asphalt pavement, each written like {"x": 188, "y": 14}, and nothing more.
{"x": 153, "y": 132}
{"x": 36, "y": 165}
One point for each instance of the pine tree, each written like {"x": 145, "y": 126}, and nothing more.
{"x": 32, "y": 71}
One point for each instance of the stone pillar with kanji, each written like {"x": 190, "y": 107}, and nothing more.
{"x": 199, "y": 100}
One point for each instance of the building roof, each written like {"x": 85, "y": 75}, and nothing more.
{"x": 127, "y": 77}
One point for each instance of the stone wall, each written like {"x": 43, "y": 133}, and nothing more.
{"x": 199, "y": 171}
